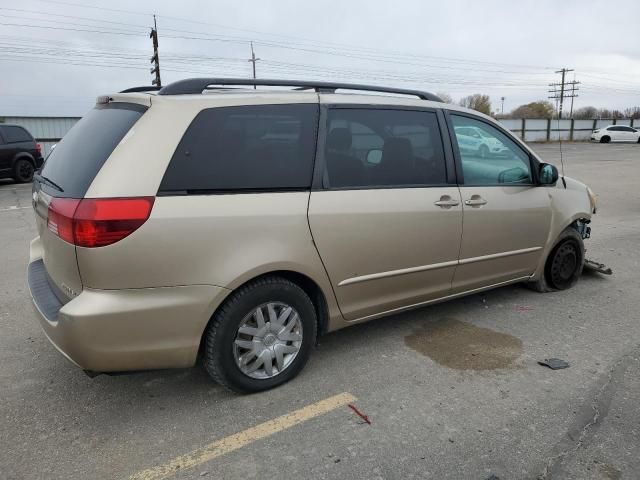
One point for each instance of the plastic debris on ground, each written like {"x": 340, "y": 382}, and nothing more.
{"x": 554, "y": 363}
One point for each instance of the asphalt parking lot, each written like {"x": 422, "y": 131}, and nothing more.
{"x": 452, "y": 391}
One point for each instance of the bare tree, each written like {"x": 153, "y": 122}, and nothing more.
{"x": 585, "y": 113}
{"x": 446, "y": 98}
{"x": 477, "y": 101}
{"x": 633, "y": 112}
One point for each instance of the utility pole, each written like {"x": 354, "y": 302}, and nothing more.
{"x": 253, "y": 60}
{"x": 573, "y": 94}
{"x": 155, "y": 59}
{"x": 561, "y": 95}
{"x": 502, "y": 105}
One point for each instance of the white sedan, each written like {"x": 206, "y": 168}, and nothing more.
{"x": 476, "y": 141}
{"x": 616, "y": 133}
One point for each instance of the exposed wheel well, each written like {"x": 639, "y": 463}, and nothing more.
{"x": 20, "y": 156}
{"x": 310, "y": 287}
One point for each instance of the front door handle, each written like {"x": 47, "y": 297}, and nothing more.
{"x": 475, "y": 201}
{"x": 446, "y": 202}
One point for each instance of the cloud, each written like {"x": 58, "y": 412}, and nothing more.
{"x": 57, "y": 63}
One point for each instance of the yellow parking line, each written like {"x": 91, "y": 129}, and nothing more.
{"x": 241, "y": 439}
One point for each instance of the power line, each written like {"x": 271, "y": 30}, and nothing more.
{"x": 51, "y": 14}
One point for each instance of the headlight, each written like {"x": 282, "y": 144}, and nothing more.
{"x": 593, "y": 200}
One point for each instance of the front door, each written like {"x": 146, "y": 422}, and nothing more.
{"x": 506, "y": 217}
{"x": 387, "y": 223}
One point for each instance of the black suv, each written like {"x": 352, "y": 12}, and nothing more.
{"x": 20, "y": 155}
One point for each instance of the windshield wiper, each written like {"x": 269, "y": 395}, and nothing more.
{"x": 43, "y": 179}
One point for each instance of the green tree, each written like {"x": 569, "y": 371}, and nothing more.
{"x": 477, "y": 101}
{"x": 539, "y": 109}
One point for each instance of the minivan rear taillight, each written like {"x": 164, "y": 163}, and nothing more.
{"x": 97, "y": 222}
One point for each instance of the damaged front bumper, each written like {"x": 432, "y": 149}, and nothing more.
{"x": 585, "y": 232}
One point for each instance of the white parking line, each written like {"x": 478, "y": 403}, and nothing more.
{"x": 12, "y": 208}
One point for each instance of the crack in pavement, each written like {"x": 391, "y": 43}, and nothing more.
{"x": 589, "y": 417}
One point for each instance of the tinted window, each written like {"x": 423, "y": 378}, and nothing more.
{"x": 369, "y": 147}
{"x": 489, "y": 157}
{"x": 627, "y": 129}
{"x": 16, "y": 134}
{"x": 260, "y": 147}
{"x": 79, "y": 156}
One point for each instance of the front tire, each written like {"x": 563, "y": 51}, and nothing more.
{"x": 605, "y": 139}
{"x": 564, "y": 264}
{"x": 261, "y": 337}
{"x": 23, "y": 170}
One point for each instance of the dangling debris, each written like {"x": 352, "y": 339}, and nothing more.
{"x": 597, "y": 267}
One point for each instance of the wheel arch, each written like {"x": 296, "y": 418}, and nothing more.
{"x": 22, "y": 155}
{"x": 570, "y": 222}
{"x": 309, "y": 285}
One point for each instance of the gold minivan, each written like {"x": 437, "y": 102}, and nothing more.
{"x": 235, "y": 226}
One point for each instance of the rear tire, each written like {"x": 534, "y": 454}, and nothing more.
{"x": 605, "y": 139}
{"x": 23, "y": 170}
{"x": 236, "y": 339}
{"x": 564, "y": 264}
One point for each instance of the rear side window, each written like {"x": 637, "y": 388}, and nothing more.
{"x": 16, "y": 134}
{"x": 383, "y": 148}
{"x": 250, "y": 148}
{"x": 80, "y": 155}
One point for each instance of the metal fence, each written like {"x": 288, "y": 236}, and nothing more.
{"x": 549, "y": 130}
{"x": 49, "y": 130}
{"x": 46, "y": 130}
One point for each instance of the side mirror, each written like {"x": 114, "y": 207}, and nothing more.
{"x": 374, "y": 157}
{"x": 547, "y": 174}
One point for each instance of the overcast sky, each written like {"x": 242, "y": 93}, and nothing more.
{"x": 57, "y": 56}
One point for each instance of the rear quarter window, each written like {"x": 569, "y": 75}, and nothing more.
{"x": 80, "y": 155}
{"x": 13, "y": 134}
{"x": 245, "y": 148}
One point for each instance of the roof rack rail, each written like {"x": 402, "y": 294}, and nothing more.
{"x": 199, "y": 85}
{"x": 150, "y": 88}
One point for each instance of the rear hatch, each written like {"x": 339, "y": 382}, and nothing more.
{"x": 63, "y": 182}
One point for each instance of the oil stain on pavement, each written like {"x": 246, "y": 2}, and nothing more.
{"x": 463, "y": 346}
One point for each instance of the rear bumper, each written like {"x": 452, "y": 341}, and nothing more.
{"x": 123, "y": 330}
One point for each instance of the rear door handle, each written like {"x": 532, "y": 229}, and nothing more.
{"x": 475, "y": 201}
{"x": 446, "y": 202}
